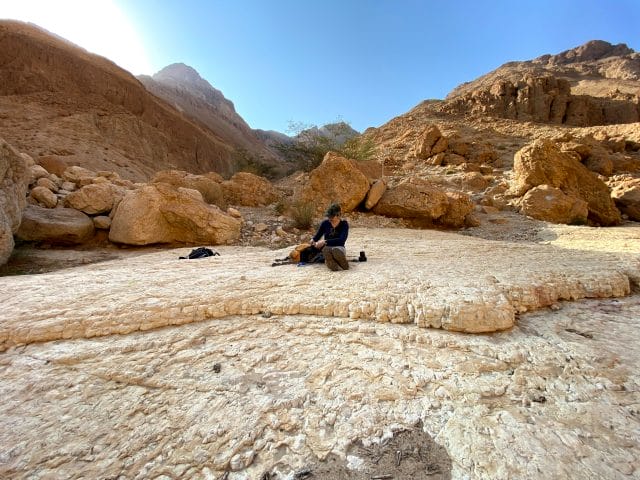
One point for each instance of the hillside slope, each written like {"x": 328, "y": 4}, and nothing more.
{"x": 59, "y": 100}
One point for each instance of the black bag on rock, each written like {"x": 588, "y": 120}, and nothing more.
{"x": 200, "y": 252}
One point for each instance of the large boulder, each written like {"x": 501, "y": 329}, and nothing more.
{"x": 208, "y": 185}
{"x": 160, "y": 213}
{"x": 553, "y": 205}
{"x": 250, "y": 190}
{"x": 14, "y": 181}
{"x": 43, "y": 196}
{"x": 375, "y": 193}
{"x": 78, "y": 175}
{"x": 544, "y": 163}
{"x": 627, "y": 197}
{"x": 336, "y": 179}
{"x": 419, "y": 199}
{"x": 430, "y": 142}
{"x": 59, "y": 226}
{"x": 95, "y": 198}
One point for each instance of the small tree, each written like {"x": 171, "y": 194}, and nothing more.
{"x": 312, "y": 143}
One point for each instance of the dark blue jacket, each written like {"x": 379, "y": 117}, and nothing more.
{"x": 335, "y": 237}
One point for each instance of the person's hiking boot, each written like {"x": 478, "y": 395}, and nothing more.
{"x": 340, "y": 258}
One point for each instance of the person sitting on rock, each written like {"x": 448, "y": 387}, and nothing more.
{"x": 335, "y": 232}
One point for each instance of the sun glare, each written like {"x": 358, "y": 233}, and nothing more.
{"x": 99, "y": 26}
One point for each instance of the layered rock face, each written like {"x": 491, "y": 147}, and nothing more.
{"x": 590, "y": 85}
{"x": 81, "y": 109}
{"x": 547, "y": 99}
{"x": 14, "y": 181}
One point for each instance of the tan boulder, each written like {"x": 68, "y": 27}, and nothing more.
{"x": 78, "y": 175}
{"x": 95, "y": 198}
{"x": 430, "y": 142}
{"x": 44, "y": 197}
{"x": 627, "y": 198}
{"x": 457, "y": 214}
{"x": 36, "y": 173}
{"x": 336, "y": 179}
{"x": 473, "y": 181}
{"x": 375, "y": 193}
{"x": 208, "y": 185}
{"x": 249, "y": 190}
{"x": 60, "y": 226}
{"x": 551, "y": 204}
{"x": 102, "y": 222}
{"x": 47, "y": 183}
{"x": 544, "y": 163}
{"x": 413, "y": 198}
{"x": 14, "y": 181}
{"x": 160, "y": 213}
{"x": 371, "y": 168}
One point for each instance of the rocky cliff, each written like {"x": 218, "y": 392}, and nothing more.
{"x": 184, "y": 88}
{"x": 58, "y": 100}
{"x": 593, "y": 84}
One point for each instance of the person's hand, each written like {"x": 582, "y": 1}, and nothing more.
{"x": 319, "y": 244}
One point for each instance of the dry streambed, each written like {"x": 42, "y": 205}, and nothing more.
{"x": 555, "y": 396}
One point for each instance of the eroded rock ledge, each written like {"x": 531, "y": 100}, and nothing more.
{"x": 429, "y": 278}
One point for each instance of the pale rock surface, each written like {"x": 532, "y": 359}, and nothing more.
{"x": 207, "y": 185}
{"x": 556, "y": 396}
{"x": 96, "y": 198}
{"x": 44, "y": 197}
{"x": 249, "y": 190}
{"x": 553, "y": 205}
{"x": 543, "y": 163}
{"x": 336, "y": 179}
{"x": 404, "y": 281}
{"x": 375, "y": 193}
{"x": 15, "y": 177}
{"x": 160, "y": 213}
{"x": 63, "y": 226}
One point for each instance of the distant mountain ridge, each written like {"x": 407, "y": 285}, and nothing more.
{"x": 184, "y": 88}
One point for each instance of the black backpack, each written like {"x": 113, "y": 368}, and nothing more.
{"x": 200, "y": 252}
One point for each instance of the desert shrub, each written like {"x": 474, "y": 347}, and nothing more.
{"x": 280, "y": 207}
{"x": 302, "y": 214}
{"x": 312, "y": 144}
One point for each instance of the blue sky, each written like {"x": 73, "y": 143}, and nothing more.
{"x": 362, "y": 61}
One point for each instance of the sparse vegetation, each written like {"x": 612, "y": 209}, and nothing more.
{"x": 280, "y": 207}
{"x": 246, "y": 162}
{"x": 312, "y": 144}
{"x": 302, "y": 214}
